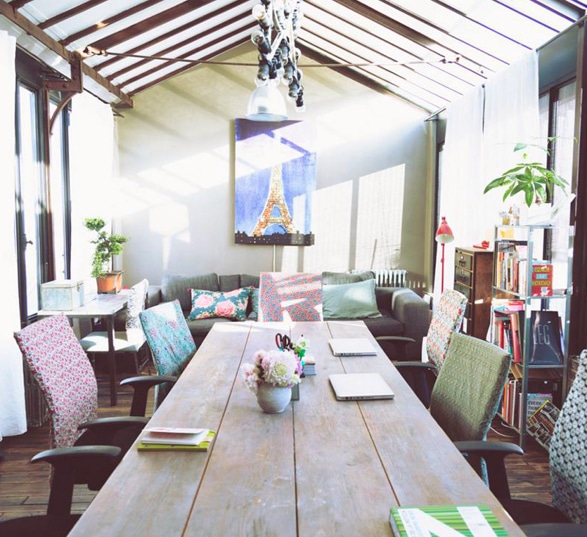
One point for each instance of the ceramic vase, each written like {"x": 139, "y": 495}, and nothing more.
{"x": 273, "y": 399}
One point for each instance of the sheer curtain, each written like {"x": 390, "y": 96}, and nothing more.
{"x": 481, "y": 132}
{"x": 93, "y": 189}
{"x": 12, "y": 402}
{"x": 460, "y": 175}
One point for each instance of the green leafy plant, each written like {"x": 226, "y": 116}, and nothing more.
{"x": 532, "y": 178}
{"x": 107, "y": 246}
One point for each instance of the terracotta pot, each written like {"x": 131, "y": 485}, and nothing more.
{"x": 109, "y": 283}
{"x": 273, "y": 399}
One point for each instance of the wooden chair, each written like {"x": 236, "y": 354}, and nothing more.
{"x": 568, "y": 470}
{"x": 290, "y": 297}
{"x": 131, "y": 340}
{"x": 68, "y": 465}
{"x": 170, "y": 341}
{"x": 446, "y": 320}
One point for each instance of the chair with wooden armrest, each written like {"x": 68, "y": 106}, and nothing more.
{"x": 446, "y": 320}
{"x": 568, "y": 468}
{"x": 68, "y": 464}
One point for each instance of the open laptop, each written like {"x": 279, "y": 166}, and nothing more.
{"x": 360, "y": 386}
{"x": 352, "y": 346}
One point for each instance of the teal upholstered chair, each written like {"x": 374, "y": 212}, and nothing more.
{"x": 170, "y": 341}
{"x": 568, "y": 470}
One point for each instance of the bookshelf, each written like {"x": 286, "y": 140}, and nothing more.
{"x": 529, "y": 318}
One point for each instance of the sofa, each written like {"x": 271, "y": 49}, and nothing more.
{"x": 395, "y": 311}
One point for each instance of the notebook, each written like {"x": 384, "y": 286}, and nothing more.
{"x": 358, "y": 386}
{"x": 352, "y": 346}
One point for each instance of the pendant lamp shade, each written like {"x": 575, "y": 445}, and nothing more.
{"x": 266, "y": 104}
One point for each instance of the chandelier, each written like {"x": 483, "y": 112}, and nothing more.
{"x": 279, "y": 22}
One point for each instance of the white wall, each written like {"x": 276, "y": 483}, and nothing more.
{"x": 177, "y": 177}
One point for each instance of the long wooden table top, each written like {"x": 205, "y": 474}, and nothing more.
{"x": 323, "y": 467}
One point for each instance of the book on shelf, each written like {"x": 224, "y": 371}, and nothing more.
{"x": 541, "y": 284}
{"x": 175, "y": 439}
{"x": 546, "y": 345}
{"x": 445, "y": 521}
{"x": 540, "y": 424}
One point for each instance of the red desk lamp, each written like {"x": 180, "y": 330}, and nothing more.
{"x": 443, "y": 236}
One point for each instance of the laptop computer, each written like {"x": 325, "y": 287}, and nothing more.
{"x": 352, "y": 346}
{"x": 360, "y": 386}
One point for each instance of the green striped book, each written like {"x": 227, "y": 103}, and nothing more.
{"x": 445, "y": 521}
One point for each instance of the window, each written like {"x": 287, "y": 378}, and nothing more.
{"x": 42, "y": 189}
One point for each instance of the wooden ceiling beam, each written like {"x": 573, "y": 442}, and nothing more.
{"x": 70, "y": 13}
{"x": 9, "y": 11}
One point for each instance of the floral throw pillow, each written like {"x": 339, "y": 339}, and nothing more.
{"x": 207, "y": 304}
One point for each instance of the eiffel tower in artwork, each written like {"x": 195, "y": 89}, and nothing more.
{"x": 275, "y": 204}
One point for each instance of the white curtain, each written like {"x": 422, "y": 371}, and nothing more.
{"x": 482, "y": 129}
{"x": 511, "y": 115}
{"x": 461, "y": 172}
{"x": 12, "y": 402}
{"x": 93, "y": 189}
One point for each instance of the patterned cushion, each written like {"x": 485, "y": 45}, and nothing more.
{"x": 290, "y": 297}
{"x": 208, "y": 304}
{"x": 169, "y": 338}
{"x": 568, "y": 451}
{"x": 137, "y": 298}
{"x": 64, "y": 373}
{"x": 447, "y": 319}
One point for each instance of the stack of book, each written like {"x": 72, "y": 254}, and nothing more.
{"x": 175, "y": 439}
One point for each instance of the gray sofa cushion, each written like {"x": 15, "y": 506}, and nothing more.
{"x": 336, "y": 278}
{"x": 350, "y": 300}
{"x": 177, "y": 286}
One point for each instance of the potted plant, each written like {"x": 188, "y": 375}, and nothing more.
{"x": 532, "y": 178}
{"x": 106, "y": 247}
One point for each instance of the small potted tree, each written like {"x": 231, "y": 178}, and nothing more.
{"x": 106, "y": 247}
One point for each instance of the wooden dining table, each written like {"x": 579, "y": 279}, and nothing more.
{"x": 321, "y": 468}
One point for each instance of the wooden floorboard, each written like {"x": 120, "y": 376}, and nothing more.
{"x": 24, "y": 487}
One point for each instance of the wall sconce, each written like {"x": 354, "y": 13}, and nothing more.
{"x": 279, "y": 23}
{"x": 444, "y": 235}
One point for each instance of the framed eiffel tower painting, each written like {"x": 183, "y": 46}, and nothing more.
{"x": 275, "y": 177}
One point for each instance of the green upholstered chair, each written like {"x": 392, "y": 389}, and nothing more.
{"x": 170, "y": 341}
{"x": 469, "y": 386}
{"x": 568, "y": 470}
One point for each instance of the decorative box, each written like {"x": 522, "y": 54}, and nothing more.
{"x": 62, "y": 295}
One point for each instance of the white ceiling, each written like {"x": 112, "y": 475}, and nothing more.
{"x": 424, "y": 51}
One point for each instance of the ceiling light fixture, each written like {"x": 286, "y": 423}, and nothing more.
{"x": 279, "y": 23}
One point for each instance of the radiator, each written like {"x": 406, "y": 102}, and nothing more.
{"x": 391, "y": 277}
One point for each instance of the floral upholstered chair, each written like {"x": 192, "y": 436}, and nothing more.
{"x": 290, "y": 297}
{"x": 66, "y": 379}
{"x": 65, "y": 376}
{"x": 169, "y": 338}
{"x": 446, "y": 320}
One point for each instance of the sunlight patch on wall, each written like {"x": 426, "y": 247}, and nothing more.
{"x": 379, "y": 220}
{"x": 331, "y": 223}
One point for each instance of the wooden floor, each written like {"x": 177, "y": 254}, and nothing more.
{"x": 24, "y": 486}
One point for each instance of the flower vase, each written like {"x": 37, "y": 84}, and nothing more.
{"x": 273, "y": 399}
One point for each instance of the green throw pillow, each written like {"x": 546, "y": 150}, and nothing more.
{"x": 207, "y": 304}
{"x": 350, "y": 300}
